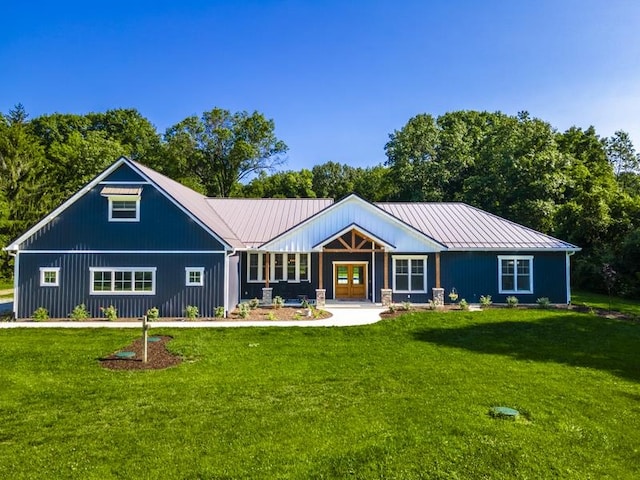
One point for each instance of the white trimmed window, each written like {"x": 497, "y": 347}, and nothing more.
{"x": 409, "y": 274}
{"x": 49, "y": 276}
{"x": 194, "y": 276}
{"x": 515, "y": 274}
{"x": 123, "y": 281}
{"x": 290, "y": 267}
{"x": 124, "y": 208}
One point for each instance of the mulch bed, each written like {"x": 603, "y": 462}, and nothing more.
{"x": 158, "y": 357}
{"x": 283, "y": 313}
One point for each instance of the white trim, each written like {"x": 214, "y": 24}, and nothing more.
{"x": 373, "y": 209}
{"x": 113, "y": 270}
{"x": 260, "y": 274}
{"x": 44, "y": 270}
{"x": 180, "y": 252}
{"x": 123, "y": 198}
{"x": 178, "y": 204}
{"x": 351, "y": 262}
{"x": 135, "y": 182}
{"x": 568, "y": 276}
{"x": 188, "y": 271}
{"x": 424, "y": 259}
{"x": 373, "y": 274}
{"x": 515, "y": 258}
{"x": 14, "y": 246}
{"x": 16, "y": 282}
{"x": 67, "y": 204}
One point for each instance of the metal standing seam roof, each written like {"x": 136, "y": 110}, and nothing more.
{"x": 257, "y": 220}
{"x": 195, "y": 203}
{"x": 461, "y": 226}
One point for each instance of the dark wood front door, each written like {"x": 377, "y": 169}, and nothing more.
{"x": 350, "y": 281}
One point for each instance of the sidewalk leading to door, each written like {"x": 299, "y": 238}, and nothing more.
{"x": 345, "y": 315}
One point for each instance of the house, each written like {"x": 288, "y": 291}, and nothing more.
{"x": 135, "y": 239}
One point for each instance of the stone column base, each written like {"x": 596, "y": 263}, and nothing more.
{"x": 387, "y": 298}
{"x": 267, "y": 296}
{"x": 321, "y": 297}
{"x": 438, "y": 296}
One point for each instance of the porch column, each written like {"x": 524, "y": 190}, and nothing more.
{"x": 386, "y": 270}
{"x": 266, "y": 269}
{"x": 320, "y": 285}
{"x": 437, "y": 269}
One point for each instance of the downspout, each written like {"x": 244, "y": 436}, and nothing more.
{"x": 226, "y": 281}
{"x": 568, "y": 275}
{"x": 16, "y": 270}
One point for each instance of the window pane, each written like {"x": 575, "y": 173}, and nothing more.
{"x": 507, "y": 282}
{"x": 291, "y": 266}
{"x": 507, "y": 267}
{"x": 278, "y": 270}
{"x": 357, "y": 275}
{"x": 402, "y": 266}
{"x": 304, "y": 271}
{"x": 122, "y": 281}
{"x": 144, "y": 281}
{"x": 123, "y": 209}
{"x": 402, "y": 282}
{"x": 253, "y": 266}
{"x": 417, "y": 283}
{"x": 101, "y": 281}
{"x": 343, "y": 275}
{"x": 50, "y": 277}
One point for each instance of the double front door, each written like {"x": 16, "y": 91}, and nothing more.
{"x": 350, "y": 280}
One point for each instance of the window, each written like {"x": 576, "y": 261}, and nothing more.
{"x": 123, "y": 281}
{"x": 124, "y": 208}
{"x": 409, "y": 274}
{"x": 291, "y": 267}
{"x": 49, "y": 276}
{"x": 194, "y": 276}
{"x": 515, "y": 274}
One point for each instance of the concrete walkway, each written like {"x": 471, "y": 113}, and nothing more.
{"x": 343, "y": 316}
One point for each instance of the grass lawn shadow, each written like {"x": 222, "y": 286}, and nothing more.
{"x": 573, "y": 339}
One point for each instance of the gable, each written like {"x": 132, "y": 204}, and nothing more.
{"x": 82, "y": 223}
{"x": 352, "y": 210}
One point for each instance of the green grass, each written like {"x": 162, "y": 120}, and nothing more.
{"x": 405, "y": 398}
{"x": 597, "y": 300}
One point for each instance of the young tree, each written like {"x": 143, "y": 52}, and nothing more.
{"x": 222, "y": 148}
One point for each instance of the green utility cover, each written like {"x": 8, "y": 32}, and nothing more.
{"x": 504, "y": 412}
{"x": 125, "y": 354}
{"x": 154, "y": 339}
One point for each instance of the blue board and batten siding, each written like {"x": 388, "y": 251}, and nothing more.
{"x": 171, "y": 294}
{"x": 81, "y": 237}
{"x": 474, "y": 274}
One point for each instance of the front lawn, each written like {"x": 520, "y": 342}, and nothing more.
{"x": 603, "y": 302}
{"x": 405, "y": 398}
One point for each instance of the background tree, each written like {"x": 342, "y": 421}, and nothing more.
{"x": 220, "y": 149}
{"x": 289, "y": 184}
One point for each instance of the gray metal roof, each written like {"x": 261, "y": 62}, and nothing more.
{"x": 257, "y": 220}
{"x": 461, "y": 226}
{"x": 195, "y": 203}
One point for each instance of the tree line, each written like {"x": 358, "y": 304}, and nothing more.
{"x": 574, "y": 185}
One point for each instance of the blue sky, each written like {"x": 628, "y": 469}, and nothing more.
{"x": 336, "y": 76}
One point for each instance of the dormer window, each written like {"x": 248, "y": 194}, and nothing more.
{"x": 124, "y": 203}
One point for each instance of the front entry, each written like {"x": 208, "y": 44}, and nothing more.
{"x": 350, "y": 280}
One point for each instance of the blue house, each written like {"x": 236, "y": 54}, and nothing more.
{"x": 135, "y": 239}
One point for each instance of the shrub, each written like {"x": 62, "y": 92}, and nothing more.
{"x": 40, "y": 314}
{"x": 243, "y": 309}
{"x": 191, "y": 312}
{"x": 254, "y": 303}
{"x": 393, "y": 308}
{"x": 431, "y": 305}
{"x": 153, "y": 314}
{"x": 512, "y": 302}
{"x": 316, "y": 312}
{"x": 79, "y": 312}
{"x": 219, "y": 313}
{"x": 543, "y": 302}
{"x": 464, "y": 305}
{"x": 271, "y": 316}
{"x": 110, "y": 312}
{"x": 485, "y": 301}
{"x": 453, "y": 295}
{"x": 278, "y": 301}
{"x": 406, "y": 306}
